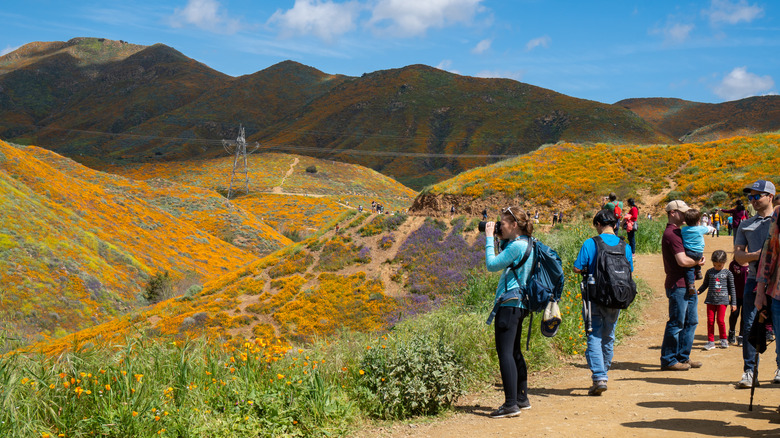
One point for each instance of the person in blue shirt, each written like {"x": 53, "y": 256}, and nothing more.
{"x": 509, "y": 311}
{"x": 693, "y": 242}
{"x": 601, "y": 338}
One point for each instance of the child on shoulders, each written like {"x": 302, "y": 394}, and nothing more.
{"x": 693, "y": 242}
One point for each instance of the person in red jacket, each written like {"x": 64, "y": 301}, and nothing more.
{"x": 631, "y": 217}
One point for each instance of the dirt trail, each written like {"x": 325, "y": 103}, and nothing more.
{"x": 642, "y": 400}
{"x": 278, "y": 189}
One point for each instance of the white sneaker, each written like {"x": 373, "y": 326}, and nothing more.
{"x": 724, "y": 343}
{"x": 777, "y": 376}
{"x": 709, "y": 346}
{"x": 747, "y": 380}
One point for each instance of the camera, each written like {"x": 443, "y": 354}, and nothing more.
{"x": 497, "y": 230}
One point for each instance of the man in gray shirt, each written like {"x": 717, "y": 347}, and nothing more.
{"x": 748, "y": 243}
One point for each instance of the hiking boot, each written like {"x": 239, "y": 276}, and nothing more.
{"x": 693, "y": 363}
{"x": 724, "y": 343}
{"x": 691, "y": 290}
{"x": 770, "y": 336}
{"x": 739, "y": 341}
{"x": 732, "y": 337}
{"x": 505, "y": 411}
{"x": 698, "y": 275}
{"x": 709, "y": 346}
{"x": 746, "y": 381}
{"x": 523, "y": 405}
{"x": 777, "y": 376}
{"x": 598, "y": 387}
{"x": 679, "y": 366}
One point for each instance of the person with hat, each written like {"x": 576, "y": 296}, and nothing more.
{"x": 749, "y": 241}
{"x": 683, "y": 318}
{"x": 603, "y": 320}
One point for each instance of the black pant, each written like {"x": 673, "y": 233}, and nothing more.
{"x": 734, "y": 316}
{"x": 509, "y": 339}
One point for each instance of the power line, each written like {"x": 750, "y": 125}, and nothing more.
{"x": 283, "y": 146}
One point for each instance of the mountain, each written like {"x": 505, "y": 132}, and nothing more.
{"x": 693, "y": 121}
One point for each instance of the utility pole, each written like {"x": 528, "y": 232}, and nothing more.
{"x": 238, "y": 150}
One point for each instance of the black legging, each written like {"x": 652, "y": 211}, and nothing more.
{"x": 509, "y": 334}
{"x": 734, "y": 316}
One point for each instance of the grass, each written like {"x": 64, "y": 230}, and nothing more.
{"x": 166, "y": 387}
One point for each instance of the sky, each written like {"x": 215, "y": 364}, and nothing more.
{"x": 704, "y": 51}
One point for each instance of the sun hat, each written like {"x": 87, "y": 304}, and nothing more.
{"x": 677, "y": 205}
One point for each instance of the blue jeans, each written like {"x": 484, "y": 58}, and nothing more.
{"x": 678, "y": 335}
{"x": 775, "y": 310}
{"x": 690, "y": 273}
{"x": 632, "y": 241}
{"x": 601, "y": 341}
{"x": 748, "y": 315}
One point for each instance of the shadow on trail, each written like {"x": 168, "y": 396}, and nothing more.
{"x": 635, "y": 366}
{"x": 701, "y": 427}
{"x": 759, "y": 412}
{"x": 675, "y": 381}
{"x": 480, "y": 411}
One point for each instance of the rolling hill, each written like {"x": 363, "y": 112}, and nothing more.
{"x": 94, "y": 99}
{"x": 698, "y": 122}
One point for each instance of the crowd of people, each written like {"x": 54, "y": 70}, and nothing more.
{"x": 747, "y": 286}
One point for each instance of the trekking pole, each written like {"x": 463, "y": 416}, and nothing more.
{"x": 760, "y": 319}
{"x": 586, "y": 304}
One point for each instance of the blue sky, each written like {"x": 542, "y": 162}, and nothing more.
{"x": 705, "y": 51}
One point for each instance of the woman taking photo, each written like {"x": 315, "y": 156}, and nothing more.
{"x": 509, "y": 310}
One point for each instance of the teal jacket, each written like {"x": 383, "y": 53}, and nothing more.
{"x": 511, "y": 253}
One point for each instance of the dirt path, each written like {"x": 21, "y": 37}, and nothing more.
{"x": 278, "y": 189}
{"x": 642, "y": 401}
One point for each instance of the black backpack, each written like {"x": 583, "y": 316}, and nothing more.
{"x": 615, "y": 287}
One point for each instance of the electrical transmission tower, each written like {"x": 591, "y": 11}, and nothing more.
{"x": 238, "y": 150}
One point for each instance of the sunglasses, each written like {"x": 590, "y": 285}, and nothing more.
{"x": 755, "y": 197}
{"x": 509, "y": 210}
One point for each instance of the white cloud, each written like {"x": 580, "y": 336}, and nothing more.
{"x": 543, "y": 41}
{"x": 674, "y": 33}
{"x": 8, "y": 49}
{"x": 415, "y": 17}
{"x": 446, "y": 65}
{"x": 207, "y": 15}
{"x": 505, "y": 74}
{"x": 482, "y": 46}
{"x": 740, "y": 84}
{"x": 324, "y": 19}
{"x": 724, "y": 11}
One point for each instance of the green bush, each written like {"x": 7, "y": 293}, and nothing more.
{"x": 419, "y": 377}
{"x": 159, "y": 288}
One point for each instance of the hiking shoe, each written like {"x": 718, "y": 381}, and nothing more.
{"x": 598, "y": 387}
{"x": 691, "y": 290}
{"x": 746, "y": 381}
{"x": 777, "y": 376}
{"x": 698, "y": 275}
{"x": 770, "y": 336}
{"x": 693, "y": 363}
{"x": 523, "y": 405}
{"x": 505, "y": 411}
{"x": 709, "y": 346}
{"x": 679, "y": 366}
{"x": 724, "y": 343}
{"x": 732, "y": 337}
{"x": 739, "y": 340}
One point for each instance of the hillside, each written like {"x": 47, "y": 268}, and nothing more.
{"x": 574, "y": 178}
{"x": 368, "y": 274}
{"x": 77, "y": 246}
{"x": 96, "y": 100}
{"x": 698, "y": 122}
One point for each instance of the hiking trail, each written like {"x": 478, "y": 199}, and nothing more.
{"x": 642, "y": 400}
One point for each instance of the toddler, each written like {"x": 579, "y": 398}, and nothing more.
{"x": 693, "y": 242}
{"x": 720, "y": 282}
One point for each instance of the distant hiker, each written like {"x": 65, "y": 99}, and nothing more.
{"x": 730, "y": 223}
{"x": 603, "y": 320}
{"x": 484, "y": 214}
{"x": 452, "y": 211}
{"x": 555, "y": 218}
{"x": 722, "y": 293}
{"x": 716, "y": 224}
{"x": 360, "y": 209}
{"x": 613, "y": 206}
{"x": 560, "y": 217}
{"x": 681, "y": 326}
{"x": 693, "y": 242}
{"x": 740, "y": 277}
{"x": 768, "y": 288}
{"x": 508, "y": 305}
{"x": 631, "y": 224}
{"x": 536, "y": 217}
{"x": 748, "y": 241}
{"x": 738, "y": 214}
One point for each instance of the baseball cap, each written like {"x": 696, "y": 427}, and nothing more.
{"x": 677, "y": 205}
{"x": 761, "y": 186}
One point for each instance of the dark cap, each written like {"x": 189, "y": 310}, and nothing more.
{"x": 761, "y": 186}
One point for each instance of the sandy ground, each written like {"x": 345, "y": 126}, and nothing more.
{"x": 642, "y": 400}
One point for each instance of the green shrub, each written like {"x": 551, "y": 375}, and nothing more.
{"x": 159, "y": 288}
{"x": 422, "y": 376}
